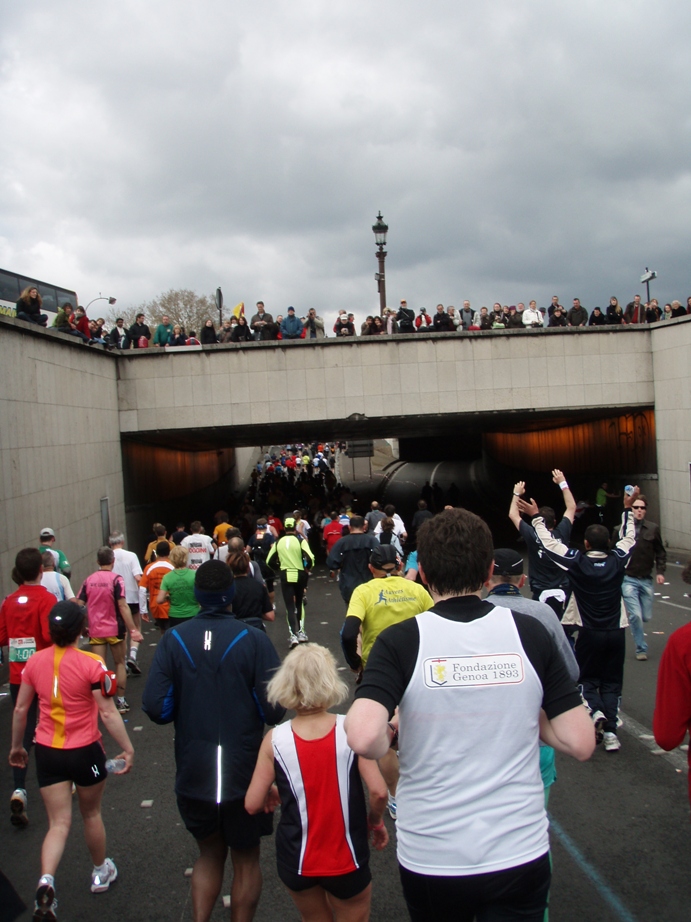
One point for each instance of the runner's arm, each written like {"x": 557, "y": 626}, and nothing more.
{"x": 378, "y": 796}
{"x": 19, "y": 758}
{"x": 571, "y": 732}
{"x": 569, "y": 501}
{"x": 126, "y": 615}
{"x": 367, "y": 728}
{"x": 349, "y": 637}
{"x": 115, "y": 726}
{"x": 514, "y": 514}
{"x": 258, "y": 797}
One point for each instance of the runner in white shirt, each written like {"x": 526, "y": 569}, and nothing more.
{"x": 54, "y": 582}
{"x": 399, "y": 528}
{"x": 199, "y": 547}
{"x": 128, "y": 567}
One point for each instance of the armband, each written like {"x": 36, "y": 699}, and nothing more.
{"x": 109, "y": 684}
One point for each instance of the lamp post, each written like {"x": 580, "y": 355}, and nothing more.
{"x": 380, "y": 230}
{"x": 219, "y": 306}
{"x": 647, "y": 277}
{"x": 99, "y": 298}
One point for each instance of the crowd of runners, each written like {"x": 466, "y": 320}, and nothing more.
{"x": 465, "y": 688}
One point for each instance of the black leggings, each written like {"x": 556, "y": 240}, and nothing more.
{"x": 292, "y": 596}
{"x": 501, "y": 896}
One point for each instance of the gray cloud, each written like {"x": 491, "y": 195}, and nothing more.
{"x": 514, "y": 149}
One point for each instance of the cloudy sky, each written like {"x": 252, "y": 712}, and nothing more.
{"x": 517, "y": 149}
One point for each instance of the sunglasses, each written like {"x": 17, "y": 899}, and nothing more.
{"x": 639, "y": 507}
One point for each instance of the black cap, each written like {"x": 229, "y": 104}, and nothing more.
{"x": 507, "y": 562}
{"x": 384, "y": 557}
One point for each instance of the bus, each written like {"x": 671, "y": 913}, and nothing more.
{"x": 12, "y": 285}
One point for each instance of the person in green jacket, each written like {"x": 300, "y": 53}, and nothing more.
{"x": 163, "y": 331}
{"x": 295, "y": 559}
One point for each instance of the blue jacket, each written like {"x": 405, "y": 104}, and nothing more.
{"x": 209, "y": 676}
{"x": 291, "y": 327}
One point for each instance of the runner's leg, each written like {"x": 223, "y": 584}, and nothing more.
{"x": 207, "y": 876}
{"x": 247, "y": 884}
{"x": 58, "y": 802}
{"x": 94, "y": 831}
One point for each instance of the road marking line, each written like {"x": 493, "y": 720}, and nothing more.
{"x": 644, "y": 736}
{"x": 674, "y": 605}
{"x": 606, "y": 892}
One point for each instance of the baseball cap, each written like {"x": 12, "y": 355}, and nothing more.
{"x": 384, "y": 557}
{"x": 289, "y": 521}
{"x": 47, "y": 532}
{"x": 507, "y": 562}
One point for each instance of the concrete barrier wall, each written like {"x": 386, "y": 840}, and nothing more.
{"x": 671, "y": 351}
{"x": 59, "y": 446}
{"x": 263, "y": 384}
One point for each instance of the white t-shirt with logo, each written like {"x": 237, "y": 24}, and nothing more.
{"x": 200, "y": 549}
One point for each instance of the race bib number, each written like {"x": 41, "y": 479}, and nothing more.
{"x": 474, "y": 671}
{"x": 21, "y": 649}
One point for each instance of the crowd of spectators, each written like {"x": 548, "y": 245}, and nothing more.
{"x": 263, "y": 327}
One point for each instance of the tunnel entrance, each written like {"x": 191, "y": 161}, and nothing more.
{"x": 473, "y": 462}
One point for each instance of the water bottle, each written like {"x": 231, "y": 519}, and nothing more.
{"x": 628, "y": 489}
{"x": 115, "y": 765}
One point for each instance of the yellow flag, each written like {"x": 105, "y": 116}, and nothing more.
{"x": 239, "y": 310}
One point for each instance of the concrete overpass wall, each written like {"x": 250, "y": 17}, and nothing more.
{"x": 263, "y": 385}
{"x": 59, "y": 445}
{"x": 671, "y": 353}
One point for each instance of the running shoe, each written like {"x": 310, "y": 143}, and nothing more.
{"x": 391, "y": 807}
{"x": 46, "y": 905}
{"x": 122, "y": 705}
{"x": 642, "y": 657}
{"x": 611, "y": 742}
{"x": 598, "y": 719}
{"x": 133, "y": 667}
{"x": 293, "y": 640}
{"x": 103, "y": 877}
{"x": 302, "y": 637}
{"x": 18, "y": 816}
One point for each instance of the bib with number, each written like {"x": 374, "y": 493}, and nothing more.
{"x": 21, "y": 649}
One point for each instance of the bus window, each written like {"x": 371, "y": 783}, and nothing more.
{"x": 66, "y": 297}
{"x": 9, "y": 292}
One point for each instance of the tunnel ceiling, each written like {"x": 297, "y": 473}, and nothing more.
{"x": 360, "y": 427}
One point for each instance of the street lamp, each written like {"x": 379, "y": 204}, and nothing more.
{"x": 100, "y": 298}
{"x": 647, "y": 277}
{"x": 219, "y": 305}
{"x": 380, "y": 230}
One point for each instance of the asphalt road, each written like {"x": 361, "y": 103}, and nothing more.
{"x": 621, "y": 836}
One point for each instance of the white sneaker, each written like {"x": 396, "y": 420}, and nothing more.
{"x": 391, "y": 807}
{"x": 103, "y": 877}
{"x": 46, "y": 905}
{"x": 611, "y": 742}
{"x": 598, "y": 719}
{"x": 302, "y": 637}
{"x": 18, "y": 816}
{"x": 293, "y": 640}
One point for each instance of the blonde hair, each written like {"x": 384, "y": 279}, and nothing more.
{"x": 307, "y": 679}
{"x": 178, "y": 557}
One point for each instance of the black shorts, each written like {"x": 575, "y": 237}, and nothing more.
{"x": 238, "y": 828}
{"x": 85, "y": 766}
{"x": 342, "y": 886}
{"x": 497, "y": 896}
